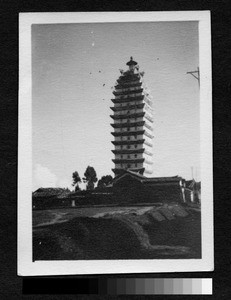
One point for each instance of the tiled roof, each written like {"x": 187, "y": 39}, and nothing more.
{"x": 159, "y": 189}
{"x": 163, "y": 179}
{"x": 147, "y": 180}
{"x": 51, "y": 192}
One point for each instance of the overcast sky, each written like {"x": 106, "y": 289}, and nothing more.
{"x": 75, "y": 66}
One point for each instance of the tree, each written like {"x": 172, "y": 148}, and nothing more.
{"x": 76, "y": 179}
{"x": 90, "y": 177}
{"x": 105, "y": 181}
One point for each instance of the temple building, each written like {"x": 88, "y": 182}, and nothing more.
{"x": 133, "y": 123}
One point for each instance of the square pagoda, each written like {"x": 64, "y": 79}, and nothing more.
{"x": 133, "y": 123}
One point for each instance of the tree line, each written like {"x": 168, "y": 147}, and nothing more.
{"x": 90, "y": 178}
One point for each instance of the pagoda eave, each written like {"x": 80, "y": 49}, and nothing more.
{"x": 128, "y": 84}
{"x": 148, "y": 153}
{"x": 149, "y": 118}
{"x": 129, "y": 99}
{"x": 128, "y": 78}
{"x": 121, "y": 143}
{"x": 118, "y": 93}
{"x": 127, "y": 161}
{"x": 128, "y": 133}
{"x": 125, "y": 151}
{"x": 147, "y": 143}
{"x": 125, "y": 125}
{"x": 130, "y": 116}
{"x": 148, "y": 135}
{"x": 148, "y": 126}
{"x": 122, "y": 108}
{"x": 119, "y": 171}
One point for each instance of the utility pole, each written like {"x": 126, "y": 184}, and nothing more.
{"x": 195, "y": 74}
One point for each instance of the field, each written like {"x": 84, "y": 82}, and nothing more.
{"x": 132, "y": 232}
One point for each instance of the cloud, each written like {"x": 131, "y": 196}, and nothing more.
{"x": 64, "y": 183}
{"x": 43, "y": 177}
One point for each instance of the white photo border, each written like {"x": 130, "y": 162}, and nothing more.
{"x": 26, "y": 266}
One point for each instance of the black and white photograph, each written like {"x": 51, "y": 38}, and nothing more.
{"x": 115, "y": 143}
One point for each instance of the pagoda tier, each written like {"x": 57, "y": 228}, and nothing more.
{"x": 127, "y": 116}
{"x": 131, "y": 99}
{"x": 124, "y": 125}
{"x": 128, "y": 99}
{"x": 128, "y": 84}
{"x": 130, "y": 133}
{"x": 138, "y": 170}
{"x": 127, "y": 91}
{"x": 127, "y": 161}
{"x": 122, "y": 108}
{"x": 133, "y": 124}
{"x": 132, "y": 151}
{"x": 135, "y": 142}
{"x": 129, "y": 78}
{"x": 132, "y": 115}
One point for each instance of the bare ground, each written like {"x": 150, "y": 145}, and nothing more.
{"x": 136, "y": 232}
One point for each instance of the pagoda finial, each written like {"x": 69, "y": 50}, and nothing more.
{"x": 131, "y": 62}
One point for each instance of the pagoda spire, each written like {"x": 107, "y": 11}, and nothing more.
{"x": 131, "y": 64}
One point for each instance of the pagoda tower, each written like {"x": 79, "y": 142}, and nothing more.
{"x": 133, "y": 123}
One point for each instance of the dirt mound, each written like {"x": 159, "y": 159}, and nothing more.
{"x": 85, "y": 238}
{"x": 154, "y": 232}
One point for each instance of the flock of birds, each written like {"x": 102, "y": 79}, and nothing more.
{"x": 103, "y": 83}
